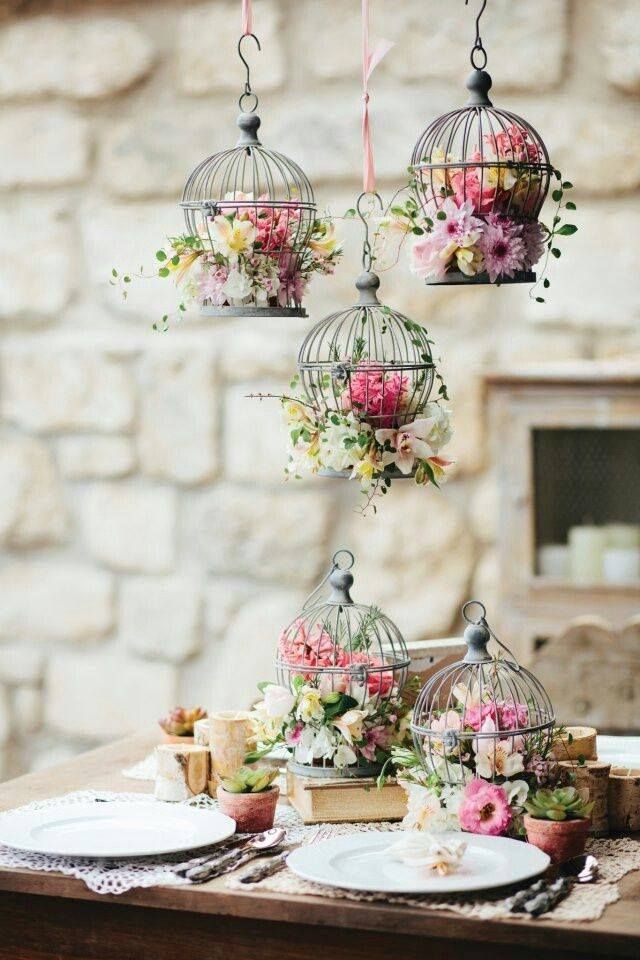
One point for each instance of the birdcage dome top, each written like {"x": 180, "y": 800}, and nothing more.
{"x": 488, "y": 157}
{"x": 475, "y": 714}
{"x": 351, "y": 645}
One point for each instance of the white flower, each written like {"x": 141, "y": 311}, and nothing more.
{"x": 428, "y": 852}
{"x": 494, "y": 757}
{"x": 350, "y": 724}
{"x": 237, "y": 286}
{"x": 265, "y": 727}
{"x": 278, "y": 701}
{"x": 231, "y": 237}
{"x": 314, "y": 745}
{"x": 344, "y": 756}
{"x": 425, "y": 811}
{"x": 309, "y": 705}
{"x": 325, "y": 242}
{"x": 441, "y": 431}
{"x": 409, "y": 442}
{"x": 333, "y": 452}
{"x": 517, "y": 792}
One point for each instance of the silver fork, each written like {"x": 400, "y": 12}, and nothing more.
{"x": 276, "y": 864}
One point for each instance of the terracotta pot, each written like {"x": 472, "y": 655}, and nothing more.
{"x": 561, "y": 839}
{"x": 171, "y": 738}
{"x": 252, "y": 812}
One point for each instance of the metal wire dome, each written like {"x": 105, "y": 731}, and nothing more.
{"x": 368, "y": 359}
{"x": 481, "y": 709}
{"x": 268, "y": 187}
{"x": 340, "y": 645}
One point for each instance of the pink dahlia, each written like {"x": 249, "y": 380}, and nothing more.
{"x": 484, "y": 808}
{"x": 375, "y": 393}
{"x": 502, "y": 247}
{"x": 533, "y": 239}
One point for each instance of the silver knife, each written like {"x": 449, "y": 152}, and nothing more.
{"x": 264, "y": 870}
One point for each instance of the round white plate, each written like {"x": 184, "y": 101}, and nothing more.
{"x": 361, "y": 862}
{"x": 114, "y": 829}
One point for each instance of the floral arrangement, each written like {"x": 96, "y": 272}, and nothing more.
{"x": 328, "y": 717}
{"x": 345, "y": 439}
{"x": 478, "y": 220}
{"x": 180, "y": 721}
{"x": 253, "y": 254}
{"x": 493, "y": 768}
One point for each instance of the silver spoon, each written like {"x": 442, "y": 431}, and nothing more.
{"x": 543, "y": 896}
{"x": 214, "y": 867}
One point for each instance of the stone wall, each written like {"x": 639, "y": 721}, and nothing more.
{"x": 150, "y": 551}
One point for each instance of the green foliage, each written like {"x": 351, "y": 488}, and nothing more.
{"x": 563, "y": 803}
{"x": 250, "y": 781}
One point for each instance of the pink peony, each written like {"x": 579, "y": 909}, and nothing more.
{"x": 484, "y": 808}
{"x": 378, "y": 684}
{"x": 512, "y": 716}
{"x": 502, "y": 247}
{"x": 307, "y": 645}
{"x": 375, "y": 393}
{"x": 475, "y": 716}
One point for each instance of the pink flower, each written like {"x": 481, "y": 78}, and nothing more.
{"x": 512, "y": 716}
{"x": 375, "y": 393}
{"x": 484, "y": 808}
{"x": 502, "y": 247}
{"x": 533, "y": 239}
{"x": 379, "y": 683}
{"x": 409, "y": 443}
{"x": 475, "y": 716}
{"x": 426, "y": 261}
{"x": 210, "y": 283}
{"x": 292, "y": 737}
{"x": 513, "y": 144}
{"x": 307, "y": 645}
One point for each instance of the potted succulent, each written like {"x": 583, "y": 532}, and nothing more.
{"x": 250, "y": 798}
{"x": 179, "y": 723}
{"x": 557, "y": 821}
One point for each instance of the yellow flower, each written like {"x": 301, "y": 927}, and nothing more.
{"x": 232, "y": 237}
{"x": 350, "y": 724}
{"x": 309, "y": 705}
{"x": 325, "y": 241}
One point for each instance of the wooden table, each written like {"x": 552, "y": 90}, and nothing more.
{"x": 51, "y": 916}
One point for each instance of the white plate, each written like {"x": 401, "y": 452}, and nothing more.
{"x": 114, "y": 829}
{"x": 361, "y": 862}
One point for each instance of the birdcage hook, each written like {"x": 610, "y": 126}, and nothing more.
{"x": 248, "y": 92}
{"x": 477, "y": 46}
{"x": 367, "y": 253}
{"x": 482, "y": 621}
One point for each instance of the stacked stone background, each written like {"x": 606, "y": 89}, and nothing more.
{"x": 150, "y": 550}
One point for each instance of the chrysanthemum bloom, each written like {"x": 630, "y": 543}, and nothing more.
{"x": 502, "y": 248}
{"x": 533, "y": 239}
{"x": 375, "y": 393}
{"x": 484, "y": 809}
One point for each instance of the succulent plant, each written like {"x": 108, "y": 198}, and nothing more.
{"x": 180, "y": 721}
{"x": 563, "y": 803}
{"x": 247, "y": 780}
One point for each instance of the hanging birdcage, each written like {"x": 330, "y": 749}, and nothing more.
{"x": 481, "y": 174}
{"x": 342, "y": 649}
{"x": 253, "y": 211}
{"x": 483, "y": 716}
{"x": 369, "y": 361}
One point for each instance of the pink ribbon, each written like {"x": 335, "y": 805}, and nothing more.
{"x": 247, "y": 17}
{"x": 370, "y": 61}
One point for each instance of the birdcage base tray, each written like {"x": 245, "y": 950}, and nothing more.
{"x": 457, "y": 278}
{"x": 386, "y": 474}
{"x": 334, "y": 773}
{"x": 253, "y": 312}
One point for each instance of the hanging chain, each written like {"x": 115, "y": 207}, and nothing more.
{"x": 482, "y": 622}
{"x": 248, "y": 92}
{"x": 477, "y": 46}
{"x": 367, "y": 251}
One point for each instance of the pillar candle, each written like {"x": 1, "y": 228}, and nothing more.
{"x": 553, "y": 561}
{"x": 621, "y": 564}
{"x": 622, "y": 535}
{"x": 586, "y": 546}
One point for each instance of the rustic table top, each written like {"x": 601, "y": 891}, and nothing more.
{"x": 617, "y": 933}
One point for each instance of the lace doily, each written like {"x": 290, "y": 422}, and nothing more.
{"x": 617, "y": 857}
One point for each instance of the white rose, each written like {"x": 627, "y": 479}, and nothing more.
{"x": 278, "y": 701}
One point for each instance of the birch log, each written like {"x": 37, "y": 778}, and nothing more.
{"x": 624, "y": 799}
{"x": 575, "y": 743}
{"x": 182, "y": 772}
{"x": 201, "y": 732}
{"x": 591, "y": 780}
{"x": 231, "y": 739}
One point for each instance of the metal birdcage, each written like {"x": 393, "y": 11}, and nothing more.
{"x": 369, "y": 360}
{"x": 338, "y": 645}
{"x": 266, "y": 188}
{"x": 483, "y": 715}
{"x": 490, "y": 158}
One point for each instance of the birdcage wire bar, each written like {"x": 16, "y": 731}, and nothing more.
{"x": 495, "y": 687}
{"x": 346, "y": 647}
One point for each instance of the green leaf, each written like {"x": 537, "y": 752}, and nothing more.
{"x": 557, "y": 195}
{"x": 127, "y": 279}
{"x": 570, "y": 205}
{"x": 350, "y": 212}
{"x": 163, "y": 272}
{"x": 556, "y": 253}
{"x": 161, "y": 255}
{"x": 114, "y": 272}
{"x": 441, "y": 215}
{"x": 567, "y": 230}
{"x": 540, "y": 300}
{"x": 175, "y": 260}
{"x": 418, "y": 231}
{"x": 262, "y": 686}
{"x": 567, "y": 185}
{"x": 546, "y": 283}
